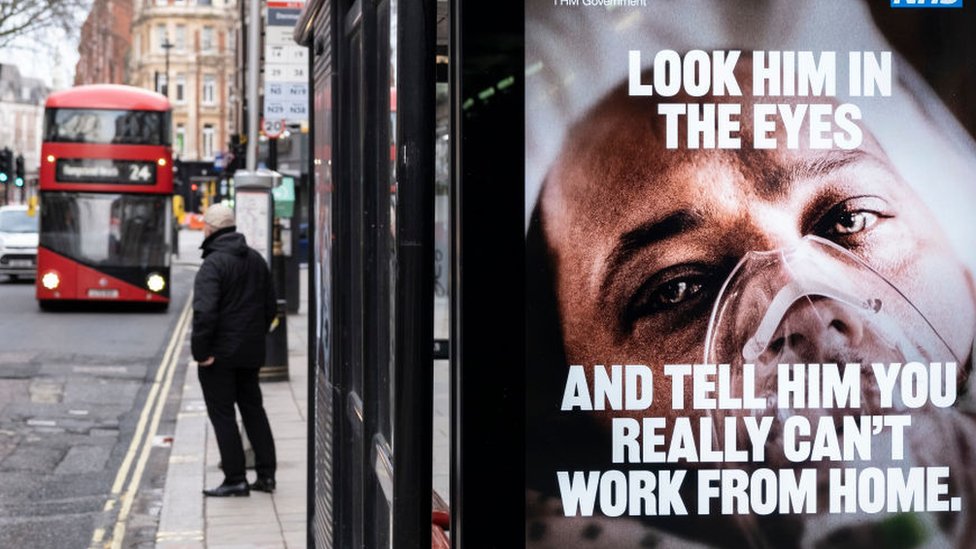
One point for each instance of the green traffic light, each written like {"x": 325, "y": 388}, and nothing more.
{"x": 3, "y": 178}
{"x": 19, "y": 181}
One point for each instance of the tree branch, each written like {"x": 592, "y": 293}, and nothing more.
{"x": 22, "y": 18}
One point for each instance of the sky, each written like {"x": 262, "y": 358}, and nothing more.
{"x": 49, "y": 55}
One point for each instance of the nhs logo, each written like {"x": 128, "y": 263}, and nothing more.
{"x": 926, "y": 3}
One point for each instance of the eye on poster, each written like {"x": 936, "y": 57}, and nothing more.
{"x": 750, "y": 298}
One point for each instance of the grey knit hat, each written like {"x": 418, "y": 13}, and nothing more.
{"x": 219, "y": 216}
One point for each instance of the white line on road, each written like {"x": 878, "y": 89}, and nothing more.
{"x": 154, "y": 404}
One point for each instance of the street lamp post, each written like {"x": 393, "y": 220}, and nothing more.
{"x": 166, "y": 45}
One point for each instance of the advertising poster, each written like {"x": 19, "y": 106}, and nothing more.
{"x": 750, "y": 258}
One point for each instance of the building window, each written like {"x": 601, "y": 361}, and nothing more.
{"x": 161, "y": 37}
{"x": 180, "y": 144}
{"x": 207, "y": 39}
{"x": 209, "y": 96}
{"x": 180, "y": 88}
{"x": 204, "y": 2}
{"x": 208, "y": 142}
{"x": 180, "y": 42}
{"x": 161, "y": 83}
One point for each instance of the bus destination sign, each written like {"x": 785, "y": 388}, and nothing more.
{"x": 98, "y": 170}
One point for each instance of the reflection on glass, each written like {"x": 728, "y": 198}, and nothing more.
{"x": 442, "y": 182}
{"x": 118, "y": 127}
{"x": 108, "y": 230}
{"x": 17, "y": 221}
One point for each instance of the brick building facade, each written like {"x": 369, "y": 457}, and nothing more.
{"x": 106, "y": 37}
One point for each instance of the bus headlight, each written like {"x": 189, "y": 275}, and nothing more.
{"x": 51, "y": 280}
{"x": 155, "y": 282}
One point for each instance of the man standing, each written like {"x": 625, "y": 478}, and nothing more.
{"x": 233, "y": 306}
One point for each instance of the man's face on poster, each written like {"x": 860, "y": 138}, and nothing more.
{"x": 643, "y": 238}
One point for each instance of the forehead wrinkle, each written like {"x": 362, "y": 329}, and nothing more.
{"x": 774, "y": 176}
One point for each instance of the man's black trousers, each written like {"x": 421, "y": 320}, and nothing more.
{"x": 223, "y": 386}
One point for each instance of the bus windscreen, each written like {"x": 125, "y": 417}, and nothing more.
{"x": 106, "y": 230}
{"x": 104, "y": 126}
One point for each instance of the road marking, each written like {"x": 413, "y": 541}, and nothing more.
{"x": 153, "y": 391}
{"x": 129, "y": 496}
{"x": 189, "y": 535}
{"x": 185, "y": 458}
{"x": 155, "y": 401}
{"x": 100, "y": 370}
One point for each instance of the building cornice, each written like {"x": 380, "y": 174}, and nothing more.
{"x": 151, "y": 13}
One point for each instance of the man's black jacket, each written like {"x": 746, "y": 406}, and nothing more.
{"x": 233, "y": 302}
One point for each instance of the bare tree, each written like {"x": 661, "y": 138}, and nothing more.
{"x": 27, "y": 18}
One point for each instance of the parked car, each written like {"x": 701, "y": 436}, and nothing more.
{"x": 18, "y": 242}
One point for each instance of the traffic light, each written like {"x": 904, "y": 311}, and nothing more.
{"x": 238, "y": 153}
{"x": 19, "y": 171}
{"x": 6, "y": 165}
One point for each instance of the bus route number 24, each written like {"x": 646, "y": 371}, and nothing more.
{"x": 139, "y": 172}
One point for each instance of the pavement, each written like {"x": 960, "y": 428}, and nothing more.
{"x": 268, "y": 521}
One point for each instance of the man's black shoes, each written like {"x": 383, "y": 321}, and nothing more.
{"x": 226, "y": 490}
{"x": 237, "y": 489}
{"x": 264, "y": 485}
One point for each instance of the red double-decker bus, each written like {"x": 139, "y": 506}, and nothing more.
{"x": 106, "y": 186}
